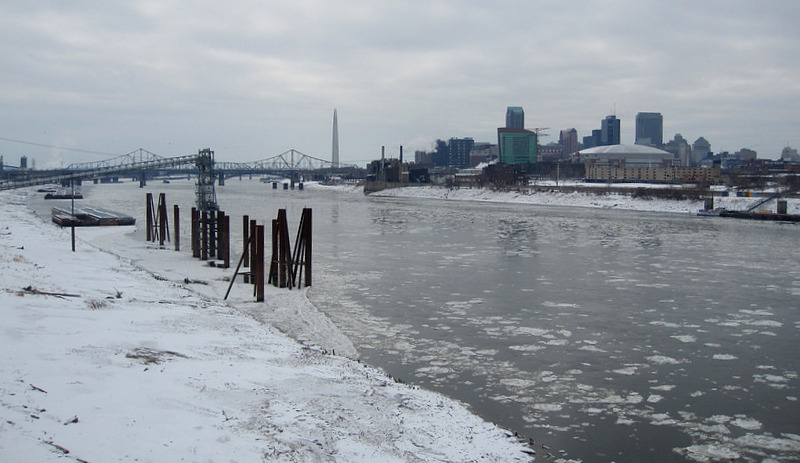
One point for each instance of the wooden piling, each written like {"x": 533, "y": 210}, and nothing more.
{"x": 259, "y": 265}
{"x": 246, "y": 238}
{"x": 204, "y": 236}
{"x": 227, "y": 241}
{"x": 224, "y": 251}
{"x": 284, "y": 251}
{"x": 253, "y": 256}
{"x": 163, "y": 223}
{"x": 273, "y": 261}
{"x": 302, "y": 251}
{"x": 195, "y": 233}
{"x": 212, "y": 233}
{"x": 176, "y": 217}
{"x": 149, "y": 208}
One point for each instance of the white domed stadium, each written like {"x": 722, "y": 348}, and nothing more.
{"x": 633, "y": 155}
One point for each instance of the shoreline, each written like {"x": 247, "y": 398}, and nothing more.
{"x": 587, "y": 199}
{"x": 115, "y": 358}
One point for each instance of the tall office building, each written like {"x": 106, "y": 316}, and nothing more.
{"x": 335, "y": 148}
{"x": 459, "y": 151}
{"x": 569, "y": 141}
{"x": 610, "y": 131}
{"x": 701, "y": 148}
{"x": 517, "y": 146}
{"x": 590, "y": 141}
{"x": 515, "y": 117}
{"x": 650, "y": 129}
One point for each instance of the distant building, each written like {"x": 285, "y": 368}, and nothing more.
{"x": 517, "y": 146}
{"x": 650, "y": 129}
{"x": 626, "y": 155}
{"x": 483, "y": 152}
{"x": 550, "y": 152}
{"x": 569, "y": 142}
{"x": 458, "y": 152}
{"x": 634, "y": 163}
{"x": 515, "y": 117}
{"x": 610, "y": 131}
{"x": 680, "y": 148}
{"x": 658, "y": 174}
{"x": 590, "y": 141}
{"x": 441, "y": 156}
{"x": 423, "y": 158}
{"x": 23, "y": 162}
{"x": 746, "y": 154}
{"x": 787, "y": 155}
{"x": 701, "y": 148}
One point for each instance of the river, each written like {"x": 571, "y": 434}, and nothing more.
{"x": 603, "y": 335}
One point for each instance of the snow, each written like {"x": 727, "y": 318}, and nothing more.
{"x": 580, "y": 199}
{"x": 109, "y": 354}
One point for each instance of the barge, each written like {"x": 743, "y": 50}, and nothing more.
{"x": 89, "y": 217}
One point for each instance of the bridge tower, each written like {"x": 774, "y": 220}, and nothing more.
{"x": 206, "y": 195}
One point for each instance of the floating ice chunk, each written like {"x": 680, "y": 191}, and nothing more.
{"x": 531, "y": 331}
{"x": 654, "y": 398}
{"x": 591, "y": 349}
{"x": 560, "y": 304}
{"x": 548, "y": 407}
{"x": 711, "y": 452}
{"x": 527, "y": 348}
{"x": 517, "y": 383}
{"x": 662, "y": 419}
{"x": 665, "y": 387}
{"x": 747, "y": 423}
{"x": 724, "y": 357}
{"x": 556, "y": 342}
{"x": 687, "y": 338}
{"x": 662, "y": 360}
{"x": 785, "y": 443}
{"x": 768, "y": 323}
{"x": 627, "y": 371}
{"x": 665, "y": 324}
{"x": 721, "y": 419}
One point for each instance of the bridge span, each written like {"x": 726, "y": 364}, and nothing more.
{"x": 144, "y": 164}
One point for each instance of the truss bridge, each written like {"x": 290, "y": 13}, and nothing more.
{"x": 145, "y": 164}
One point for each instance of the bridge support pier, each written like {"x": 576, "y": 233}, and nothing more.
{"x": 221, "y": 179}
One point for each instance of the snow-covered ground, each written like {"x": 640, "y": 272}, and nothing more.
{"x": 111, "y": 354}
{"x": 580, "y": 199}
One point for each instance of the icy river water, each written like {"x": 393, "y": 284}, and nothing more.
{"x": 603, "y": 335}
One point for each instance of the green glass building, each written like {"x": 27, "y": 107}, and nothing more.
{"x": 517, "y": 146}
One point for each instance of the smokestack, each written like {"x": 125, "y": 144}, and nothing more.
{"x": 401, "y": 154}
{"x": 383, "y": 151}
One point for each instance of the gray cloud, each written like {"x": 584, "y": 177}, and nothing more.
{"x": 252, "y": 79}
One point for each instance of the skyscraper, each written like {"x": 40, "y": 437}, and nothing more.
{"x": 701, "y": 148}
{"x": 650, "y": 129}
{"x": 569, "y": 141}
{"x": 335, "y": 149}
{"x": 610, "y": 131}
{"x": 517, "y": 146}
{"x": 515, "y": 117}
{"x": 458, "y": 154}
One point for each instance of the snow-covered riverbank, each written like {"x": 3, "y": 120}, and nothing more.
{"x": 113, "y": 356}
{"x": 579, "y": 199}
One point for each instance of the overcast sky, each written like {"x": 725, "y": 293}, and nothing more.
{"x": 252, "y": 79}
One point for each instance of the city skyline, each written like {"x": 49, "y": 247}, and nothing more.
{"x": 251, "y": 81}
